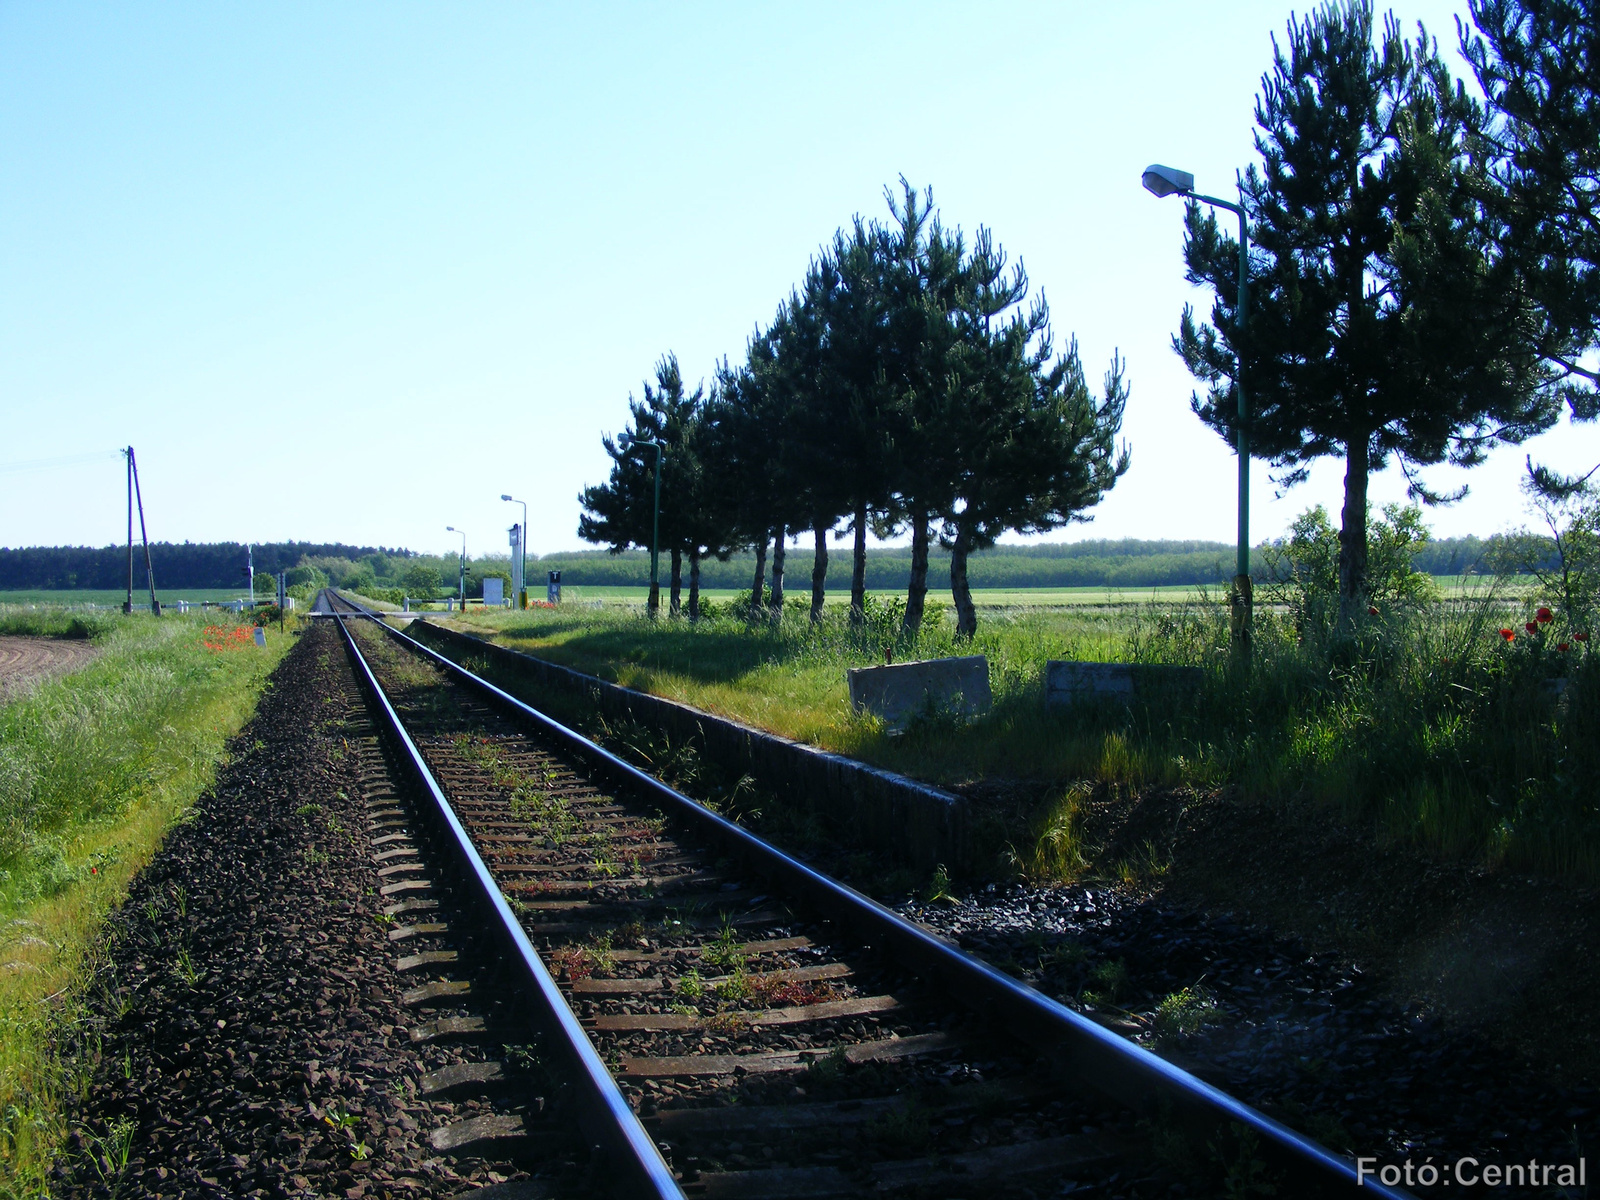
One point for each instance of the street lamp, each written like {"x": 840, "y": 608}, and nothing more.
{"x": 461, "y": 582}
{"x": 1169, "y": 181}
{"x": 522, "y": 566}
{"x": 629, "y": 445}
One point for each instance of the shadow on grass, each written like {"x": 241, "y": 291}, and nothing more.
{"x": 706, "y": 655}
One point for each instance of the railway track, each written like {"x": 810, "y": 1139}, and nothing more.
{"x": 730, "y": 1022}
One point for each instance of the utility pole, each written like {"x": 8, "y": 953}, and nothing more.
{"x": 127, "y": 606}
{"x": 136, "y": 497}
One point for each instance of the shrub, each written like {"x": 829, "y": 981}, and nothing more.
{"x": 1301, "y": 571}
{"x": 423, "y": 583}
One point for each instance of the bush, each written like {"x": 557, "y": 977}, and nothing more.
{"x": 1301, "y": 571}
{"x": 423, "y": 583}
{"x": 312, "y": 577}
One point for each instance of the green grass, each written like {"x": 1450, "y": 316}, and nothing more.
{"x": 94, "y": 768}
{"x": 114, "y": 597}
{"x": 1425, "y": 722}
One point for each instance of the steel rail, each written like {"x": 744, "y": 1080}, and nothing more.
{"x": 621, "y": 1147}
{"x": 1122, "y": 1070}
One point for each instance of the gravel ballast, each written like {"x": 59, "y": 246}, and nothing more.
{"x": 246, "y": 1035}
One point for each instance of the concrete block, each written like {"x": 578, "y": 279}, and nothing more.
{"x": 494, "y": 592}
{"x": 1073, "y": 682}
{"x": 900, "y": 691}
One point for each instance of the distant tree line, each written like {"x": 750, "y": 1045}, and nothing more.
{"x": 1129, "y": 563}
{"x": 186, "y": 565}
{"x": 903, "y": 386}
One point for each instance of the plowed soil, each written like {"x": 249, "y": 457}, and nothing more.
{"x": 25, "y": 661}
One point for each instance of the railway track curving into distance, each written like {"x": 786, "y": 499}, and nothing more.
{"x": 727, "y": 1020}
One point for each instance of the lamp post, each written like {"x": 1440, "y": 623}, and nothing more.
{"x": 1168, "y": 181}
{"x": 461, "y": 580}
{"x": 654, "y": 603}
{"x": 522, "y": 566}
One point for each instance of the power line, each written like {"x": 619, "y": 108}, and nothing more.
{"x": 67, "y": 460}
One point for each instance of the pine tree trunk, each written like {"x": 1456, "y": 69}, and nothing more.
{"x": 917, "y": 590}
{"x": 858, "y": 571}
{"x": 819, "y": 570}
{"x": 694, "y": 584}
{"x": 675, "y": 603}
{"x": 780, "y": 536}
{"x": 960, "y": 590}
{"x": 1353, "y": 532}
{"x": 758, "y": 583}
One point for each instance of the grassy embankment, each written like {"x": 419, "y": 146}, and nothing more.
{"x": 1428, "y": 723}
{"x": 94, "y": 768}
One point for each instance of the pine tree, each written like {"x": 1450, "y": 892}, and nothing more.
{"x": 1379, "y": 326}
{"x": 1538, "y": 62}
{"x": 1038, "y": 459}
{"x": 621, "y": 512}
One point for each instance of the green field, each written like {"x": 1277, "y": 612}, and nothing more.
{"x": 115, "y": 599}
{"x": 1452, "y": 586}
{"x": 983, "y": 597}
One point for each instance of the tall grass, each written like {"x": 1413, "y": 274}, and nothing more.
{"x": 94, "y": 767}
{"x": 1423, "y": 721}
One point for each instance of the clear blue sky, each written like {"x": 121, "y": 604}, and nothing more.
{"x": 349, "y": 272}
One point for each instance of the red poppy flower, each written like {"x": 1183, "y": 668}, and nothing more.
{"x": 1373, "y": 609}
{"x": 1580, "y": 636}
{"x": 1508, "y": 635}
{"x": 1544, "y": 616}
{"x": 1531, "y": 627}
{"x": 1563, "y": 646}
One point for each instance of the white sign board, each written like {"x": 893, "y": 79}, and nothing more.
{"x": 494, "y": 594}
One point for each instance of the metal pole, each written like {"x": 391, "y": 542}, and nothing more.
{"x": 522, "y": 592}
{"x": 1242, "y": 587}
{"x": 1241, "y": 601}
{"x": 655, "y": 542}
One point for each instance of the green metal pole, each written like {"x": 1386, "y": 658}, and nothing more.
{"x": 1244, "y": 409}
{"x": 1242, "y": 601}
{"x": 521, "y": 600}
{"x": 655, "y": 541}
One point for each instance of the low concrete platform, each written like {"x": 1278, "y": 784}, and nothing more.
{"x": 1068, "y": 682}
{"x": 900, "y": 691}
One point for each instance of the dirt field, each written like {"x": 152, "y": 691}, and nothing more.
{"x": 24, "y": 661}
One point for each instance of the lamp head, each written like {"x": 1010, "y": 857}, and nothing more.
{"x": 1166, "y": 181}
